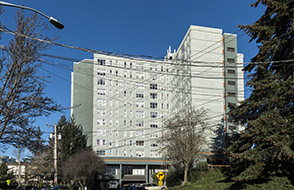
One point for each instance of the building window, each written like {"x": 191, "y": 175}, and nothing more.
{"x": 101, "y": 152}
{"x": 101, "y": 122}
{"x": 233, "y": 83}
{"x": 131, "y": 142}
{"x": 139, "y": 153}
{"x": 101, "y": 132}
{"x": 231, "y": 60}
{"x": 101, "y": 142}
{"x": 101, "y": 91}
{"x": 154, "y": 153}
{"x": 231, "y": 94}
{"x": 125, "y": 64}
{"x": 116, "y": 73}
{"x": 101, "y": 81}
{"x": 140, "y": 66}
{"x": 139, "y": 143}
{"x": 116, "y": 134}
{"x": 153, "y": 114}
{"x": 154, "y": 135}
{"x": 140, "y": 133}
{"x": 101, "y": 102}
{"x": 153, "y": 105}
{"x": 139, "y": 75}
{"x": 139, "y": 114}
{"x": 230, "y": 49}
{"x": 101, "y": 62}
{"x": 153, "y": 76}
{"x": 101, "y": 72}
{"x": 101, "y": 111}
{"x": 125, "y": 152}
{"x": 116, "y": 152}
{"x": 139, "y": 95}
{"x": 153, "y": 95}
{"x": 230, "y": 71}
{"x": 153, "y": 144}
{"x": 153, "y": 86}
{"x": 140, "y": 104}
{"x": 139, "y": 123}
{"x": 153, "y": 125}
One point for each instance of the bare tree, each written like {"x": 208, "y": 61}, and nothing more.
{"x": 21, "y": 89}
{"x": 40, "y": 167}
{"x": 83, "y": 167}
{"x": 184, "y": 138}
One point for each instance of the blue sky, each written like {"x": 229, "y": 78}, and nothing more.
{"x": 138, "y": 27}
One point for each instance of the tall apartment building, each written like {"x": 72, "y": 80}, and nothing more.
{"x": 122, "y": 102}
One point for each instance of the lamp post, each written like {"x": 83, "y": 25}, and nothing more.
{"x": 52, "y": 20}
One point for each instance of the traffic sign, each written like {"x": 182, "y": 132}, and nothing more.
{"x": 160, "y": 175}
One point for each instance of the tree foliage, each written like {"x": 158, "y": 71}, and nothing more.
{"x": 185, "y": 137}
{"x": 72, "y": 141}
{"x": 4, "y": 175}
{"x": 266, "y": 148}
{"x": 22, "y": 96}
{"x": 40, "y": 167}
{"x": 84, "y": 168}
{"x": 72, "y": 138}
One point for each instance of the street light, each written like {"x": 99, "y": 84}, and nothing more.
{"x": 52, "y": 20}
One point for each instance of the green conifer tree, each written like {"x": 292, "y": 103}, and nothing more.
{"x": 266, "y": 148}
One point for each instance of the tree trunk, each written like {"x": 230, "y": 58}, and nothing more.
{"x": 186, "y": 173}
{"x": 81, "y": 184}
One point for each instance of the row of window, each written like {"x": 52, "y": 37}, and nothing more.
{"x": 140, "y": 95}
{"x": 138, "y": 104}
{"x": 139, "y": 66}
{"x": 138, "y": 153}
{"x": 137, "y": 143}
{"x": 139, "y": 114}
{"x": 138, "y": 123}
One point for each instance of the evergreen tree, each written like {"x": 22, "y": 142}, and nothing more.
{"x": 265, "y": 149}
{"x": 72, "y": 138}
{"x": 4, "y": 175}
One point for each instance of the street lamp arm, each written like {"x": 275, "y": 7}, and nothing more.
{"x": 52, "y": 20}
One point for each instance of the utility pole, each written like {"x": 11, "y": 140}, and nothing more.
{"x": 55, "y": 136}
{"x": 55, "y": 155}
{"x": 19, "y": 165}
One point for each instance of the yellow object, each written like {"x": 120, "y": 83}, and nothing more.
{"x": 8, "y": 182}
{"x": 160, "y": 183}
{"x": 160, "y": 175}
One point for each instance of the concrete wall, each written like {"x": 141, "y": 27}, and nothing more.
{"x": 82, "y": 96}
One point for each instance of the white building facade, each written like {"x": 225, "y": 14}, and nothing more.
{"x": 122, "y": 102}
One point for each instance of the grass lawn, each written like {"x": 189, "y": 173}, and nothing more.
{"x": 211, "y": 180}
{"x": 214, "y": 180}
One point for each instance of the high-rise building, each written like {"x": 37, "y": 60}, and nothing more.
{"x": 121, "y": 102}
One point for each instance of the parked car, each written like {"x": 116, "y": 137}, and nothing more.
{"x": 27, "y": 187}
{"x": 60, "y": 187}
{"x": 130, "y": 187}
{"x": 153, "y": 186}
{"x": 113, "y": 184}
